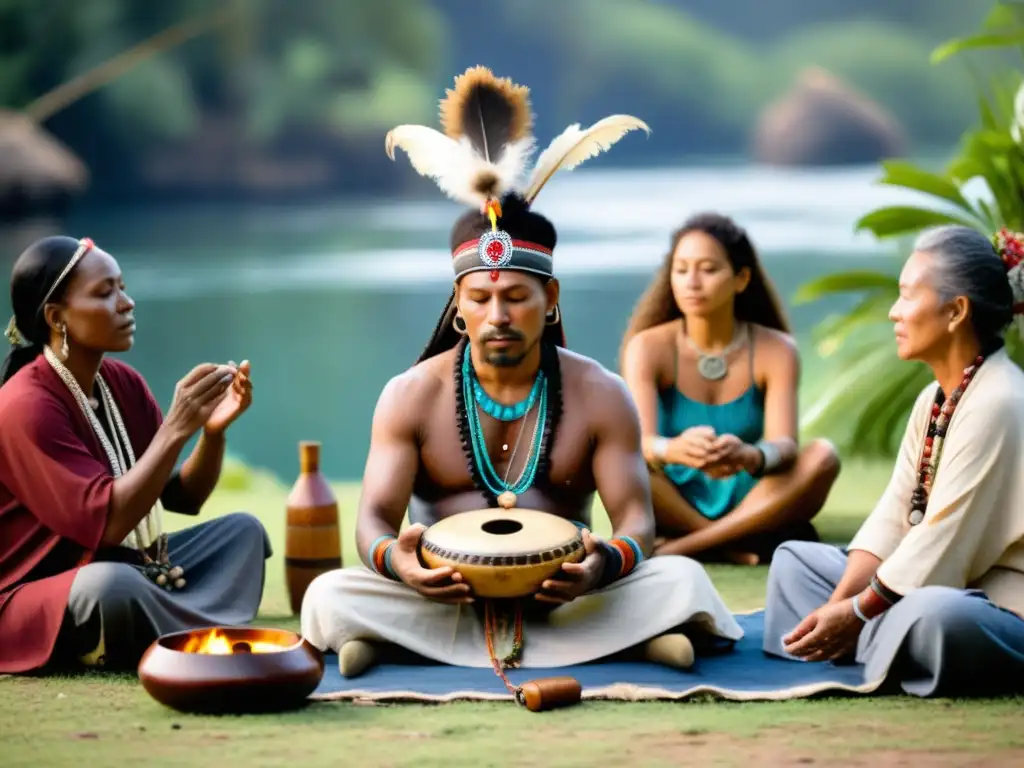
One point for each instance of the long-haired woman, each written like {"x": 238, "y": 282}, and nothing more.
{"x": 714, "y": 373}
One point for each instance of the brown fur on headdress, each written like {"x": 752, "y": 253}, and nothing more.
{"x": 487, "y": 141}
{"x": 489, "y": 110}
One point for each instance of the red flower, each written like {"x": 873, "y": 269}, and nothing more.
{"x": 1010, "y": 247}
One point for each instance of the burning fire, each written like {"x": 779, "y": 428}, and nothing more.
{"x": 217, "y": 643}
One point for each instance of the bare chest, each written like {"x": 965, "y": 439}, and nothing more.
{"x": 508, "y": 452}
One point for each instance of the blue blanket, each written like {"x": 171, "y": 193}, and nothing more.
{"x": 744, "y": 674}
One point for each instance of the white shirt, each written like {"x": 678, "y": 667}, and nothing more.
{"x": 972, "y": 535}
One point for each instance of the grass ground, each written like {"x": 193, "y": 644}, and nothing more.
{"x": 98, "y": 720}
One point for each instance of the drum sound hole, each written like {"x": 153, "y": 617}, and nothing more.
{"x": 502, "y": 527}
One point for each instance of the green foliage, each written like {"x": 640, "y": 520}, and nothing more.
{"x": 340, "y": 69}
{"x": 1003, "y": 28}
{"x": 867, "y": 406}
{"x": 316, "y": 74}
{"x": 656, "y": 48}
{"x": 155, "y": 101}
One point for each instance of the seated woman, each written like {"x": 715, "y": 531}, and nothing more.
{"x": 930, "y": 593}
{"x": 87, "y": 464}
{"x": 714, "y": 373}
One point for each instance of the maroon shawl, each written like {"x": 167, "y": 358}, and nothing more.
{"x": 55, "y": 494}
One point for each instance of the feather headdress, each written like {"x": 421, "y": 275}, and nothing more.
{"x": 485, "y": 149}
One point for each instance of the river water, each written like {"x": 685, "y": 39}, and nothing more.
{"x": 328, "y": 301}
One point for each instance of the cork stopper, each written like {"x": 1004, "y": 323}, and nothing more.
{"x": 309, "y": 456}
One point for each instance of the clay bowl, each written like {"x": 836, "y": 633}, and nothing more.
{"x": 236, "y": 670}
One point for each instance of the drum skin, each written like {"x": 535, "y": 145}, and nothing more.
{"x": 502, "y": 553}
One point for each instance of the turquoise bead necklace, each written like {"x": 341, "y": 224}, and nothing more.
{"x": 492, "y": 407}
{"x": 500, "y": 487}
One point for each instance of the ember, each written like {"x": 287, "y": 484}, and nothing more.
{"x": 216, "y": 643}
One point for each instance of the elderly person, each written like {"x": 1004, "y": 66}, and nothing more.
{"x": 930, "y": 593}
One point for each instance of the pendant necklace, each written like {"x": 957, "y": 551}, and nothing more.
{"x": 713, "y": 365}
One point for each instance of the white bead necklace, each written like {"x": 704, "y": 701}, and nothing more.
{"x": 150, "y": 528}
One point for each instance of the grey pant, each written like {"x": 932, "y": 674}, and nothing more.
{"x": 936, "y": 641}
{"x": 115, "y": 612}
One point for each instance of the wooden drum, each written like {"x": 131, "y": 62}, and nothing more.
{"x": 502, "y": 553}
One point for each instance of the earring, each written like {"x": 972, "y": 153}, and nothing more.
{"x": 64, "y": 351}
{"x": 555, "y": 317}
{"x": 461, "y": 330}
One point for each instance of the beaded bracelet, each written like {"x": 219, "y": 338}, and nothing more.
{"x": 621, "y": 557}
{"x": 380, "y": 555}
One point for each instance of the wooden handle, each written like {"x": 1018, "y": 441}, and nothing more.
{"x": 549, "y": 693}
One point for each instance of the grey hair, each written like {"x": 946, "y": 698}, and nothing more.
{"x": 966, "y": 264}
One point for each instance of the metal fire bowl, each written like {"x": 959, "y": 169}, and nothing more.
{"x": 235, "y": 683}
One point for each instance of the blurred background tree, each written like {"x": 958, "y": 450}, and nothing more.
{"x": 292, "y": 98}
{"x": 872, "y": 392}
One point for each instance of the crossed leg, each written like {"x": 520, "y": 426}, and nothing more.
{"x": 787, "y": 500}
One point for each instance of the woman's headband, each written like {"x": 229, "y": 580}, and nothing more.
{"x": 84, "y": 246}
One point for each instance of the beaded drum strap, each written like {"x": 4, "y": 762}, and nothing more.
{"x": 490, "y": 630}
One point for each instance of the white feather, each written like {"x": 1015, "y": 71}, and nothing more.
{"x": 573, "y": 146}
{"x": 455, "y": 165}
{"x": 429, "y": 150}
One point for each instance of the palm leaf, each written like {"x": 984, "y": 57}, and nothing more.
{"x": 992, "y": 40}
{"x": 834, "y": 331}
{"x": 1003, "y": 27}
{"x": 899, "y": 173}
{"x": 879, "y": 422}
{"x": 870, "y": 392}
{"x": 904, "y": 219}
{"x": 844, "y": 282}
{"x": 842, "y": 391}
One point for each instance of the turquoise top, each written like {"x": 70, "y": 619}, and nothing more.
{"x": 743, "y": 417}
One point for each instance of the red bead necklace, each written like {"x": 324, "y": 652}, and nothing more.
{"x": 938, "y": 423}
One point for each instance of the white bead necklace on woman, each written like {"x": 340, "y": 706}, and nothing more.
{"x": 149, "y": 531}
